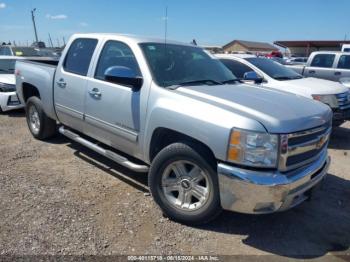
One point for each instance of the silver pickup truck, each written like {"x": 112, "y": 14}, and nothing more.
{"x": 207, "y": 141}
{"x": 328, "y": 65}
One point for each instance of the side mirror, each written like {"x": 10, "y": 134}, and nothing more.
{"x": 253, "y": 76}
{"x": 124, "y": 76}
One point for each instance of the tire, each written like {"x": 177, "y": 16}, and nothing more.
{"x": 40, "y": 125}
{"x": 195, "y": 199}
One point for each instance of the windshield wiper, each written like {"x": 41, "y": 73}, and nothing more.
{"x": 232, "y": 81}
{"x": 195, "y": 82}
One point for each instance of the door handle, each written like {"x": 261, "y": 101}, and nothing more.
{"x": 312, "y": 72}
{"x": 337, "y": 73}
{"x": 61, "y": 83}
{"x": 95, "y": 93}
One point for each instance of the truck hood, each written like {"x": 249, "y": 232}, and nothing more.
{"x": 311, "y": 86}
{"x": 277, "y": 111}
{"x": 8, "y": 79}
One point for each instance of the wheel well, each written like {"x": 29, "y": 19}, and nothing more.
{"x": 162, "y": 137}
{"x": 29, "y": 91}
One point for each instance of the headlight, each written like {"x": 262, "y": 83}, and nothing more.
{"x": 7, "y": 87}
{"x": 253, "y": 149}
{"x": 330, "y": 100}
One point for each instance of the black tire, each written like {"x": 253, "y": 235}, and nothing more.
{"x": 48, "y": 126}
{"x": 185, "y": 152}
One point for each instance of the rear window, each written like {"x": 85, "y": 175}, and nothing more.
{"x": 323, "y": 60}
{"x": 79, "y": 56}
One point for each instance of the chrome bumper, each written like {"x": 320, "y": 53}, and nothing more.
{"x": 258, "y": 192}
{"x": 9, "y": 101}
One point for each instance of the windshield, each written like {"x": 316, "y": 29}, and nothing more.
{"x": 7, "y": 66}
{"x": 274, "y": 69}
{"x": 173, "y": 65}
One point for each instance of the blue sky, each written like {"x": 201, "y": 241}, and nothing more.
{"x": 210, "y": 22}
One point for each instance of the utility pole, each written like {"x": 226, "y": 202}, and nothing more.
{"x": 33, "y": 19}
{"x": 50, "y": 40}
{"x": 64, "y": 41}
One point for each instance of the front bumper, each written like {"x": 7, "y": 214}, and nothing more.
{"x": 259, "y": 192}
{"x": 9, "y": 101}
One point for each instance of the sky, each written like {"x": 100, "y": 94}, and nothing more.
{"x": 210, "y": 22}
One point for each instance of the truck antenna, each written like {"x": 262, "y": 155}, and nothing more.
{"x": 166, "y": 24}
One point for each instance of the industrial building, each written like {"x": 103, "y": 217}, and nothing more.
{"x": 248, "y": 46}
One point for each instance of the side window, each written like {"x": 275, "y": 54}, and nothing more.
{"x": 79, "y": 56}
{"x": 344, "y": 62}
{"x": 5, "y": 51}
{"x": 237, "y": 68}
{"x": 115, "y": 53}
{"x": 323, "y": 60}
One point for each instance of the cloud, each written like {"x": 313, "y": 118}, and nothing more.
{"x": 2, "y": 5}
{"x": 83, "y": 24}
{"x": 56, "y": 17}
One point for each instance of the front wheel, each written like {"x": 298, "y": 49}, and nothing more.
{"x": 40, "y": 125}
{"x": 185, "y": 185}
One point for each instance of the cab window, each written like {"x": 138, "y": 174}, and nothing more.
{"x": 79, "y": 56}
{"x": 344, "y": 62}
{"x": 237, "y": 68}
{"x": 323, "y": 60}
{"x": 116, "y": 53}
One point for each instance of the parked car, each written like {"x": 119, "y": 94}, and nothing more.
{"x": 345, "y": 48}
{"x": 268, "y": 73}
{"x": 326, "y": 65}
{"x": 8, "y": 96}
{"x": 207, "y": 141}
{"x": 296, "y": 61}
{"x": 9, "y": 50}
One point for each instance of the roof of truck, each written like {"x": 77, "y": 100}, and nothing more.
{"x": 136, "y": 38}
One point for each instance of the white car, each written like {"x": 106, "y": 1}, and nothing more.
{"x": 8, "y": 96}
{"x": 271, "y": 74}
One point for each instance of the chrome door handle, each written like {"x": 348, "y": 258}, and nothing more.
{"x": 337, "y": 73}
{"x": 312, "y": 71}
{"x": 61, "y": 83}
{"x": 95, "y": 93}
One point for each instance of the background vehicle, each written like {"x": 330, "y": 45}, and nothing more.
{"x": 345, "y": 48}
{"x": 270, "y": 74}
{"x": 296, "y": 61}
{"x": 207, "y": 140}
{"x": 326, "y": 65}
{"x": 8, "y": 97}
{"x": 9, "y": 50}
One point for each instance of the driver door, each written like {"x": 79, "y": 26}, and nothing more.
{"x": 112, "y": 111}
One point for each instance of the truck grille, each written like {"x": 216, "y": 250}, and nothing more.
{"x": 343, "y": 100}
{"x": 301, "y": 148}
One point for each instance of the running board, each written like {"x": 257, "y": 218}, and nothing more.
{"x": 105, "y": 152}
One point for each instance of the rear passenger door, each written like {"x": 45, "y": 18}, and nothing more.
{"x": 321, "y": 67}
{"x": 112, "y": 112}
{"x": 343, "y": 67}
{"x": 70, "y": 82}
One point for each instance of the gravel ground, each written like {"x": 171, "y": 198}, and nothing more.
{"x": 60, "y": 198}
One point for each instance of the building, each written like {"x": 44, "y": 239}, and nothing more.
{"x": 213, "y": 49}
{"x": 305, "y": 48}
{"x": 248, "y": 46}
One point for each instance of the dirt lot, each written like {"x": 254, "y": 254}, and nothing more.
{"x": 60, "y": 198}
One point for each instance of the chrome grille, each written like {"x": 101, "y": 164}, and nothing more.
{"x": 343, "y": 100}
{"x": 301, "y": 148}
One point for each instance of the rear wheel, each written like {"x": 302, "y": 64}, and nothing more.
{"x": 40, "y": 125}
{"x": 184, "y": 185}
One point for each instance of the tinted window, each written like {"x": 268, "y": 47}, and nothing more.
{"x": 323, "y": 60}
{"x": 79, "y": 56}
{"x": 116, "y": 54}
{"x": 5, "y": 51}
{"x": 25, "y": 51}
{"x": 173, "y": 64}
{"x": 237, "y": 68}
{"x": 7, "y": 66}
{"x": 274, "y": 69}
{"x": 344, "y": 62}
{"x": 346, "y": 49}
